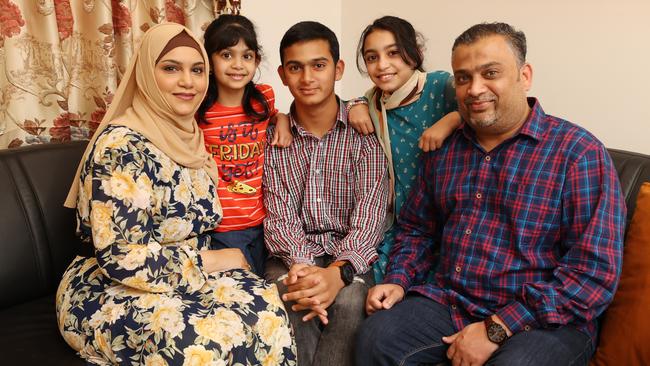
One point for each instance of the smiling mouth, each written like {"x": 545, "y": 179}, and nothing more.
{"x": 184, "y": 96}
{"x": 478, "y": 105}
{"x": 237, "y": 76}
{"x": 385, "y": 77}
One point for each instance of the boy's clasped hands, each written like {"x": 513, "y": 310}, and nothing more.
{"x": 312, "y": 287}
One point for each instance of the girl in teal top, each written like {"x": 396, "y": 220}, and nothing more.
{"x": 410, "y": 111}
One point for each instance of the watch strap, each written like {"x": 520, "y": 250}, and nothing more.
{"x": 346, "y": 270}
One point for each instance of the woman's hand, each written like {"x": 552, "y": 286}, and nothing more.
{"x": 359, "y": 119}
{"x": 223, "y": 260}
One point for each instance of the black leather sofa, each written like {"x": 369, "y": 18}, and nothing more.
{"x": 37, "y": 242}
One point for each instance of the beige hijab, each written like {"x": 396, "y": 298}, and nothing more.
{"x": 139, "y": 105}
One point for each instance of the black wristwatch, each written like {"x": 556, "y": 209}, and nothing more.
{"x": 495, "y": 332}
{"x": 347, "y": 273}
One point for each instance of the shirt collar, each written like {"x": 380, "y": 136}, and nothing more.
{"x": 535, "y": 125}
{"x": 341, "y": 116}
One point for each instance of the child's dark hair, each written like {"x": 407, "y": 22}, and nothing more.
{"x": 409, "y": 42}
{"x": 226, "y": 31}
{"x": 309, "y": 31}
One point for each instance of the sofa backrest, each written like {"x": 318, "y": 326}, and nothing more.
{"x": 633, "y": 169}
{"x": 37, "y": 234}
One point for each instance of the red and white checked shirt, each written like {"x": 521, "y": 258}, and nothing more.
{"x": 325, "y": 196}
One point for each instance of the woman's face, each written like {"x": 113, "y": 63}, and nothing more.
{"x": 180, "y": 75}
{"x": 385, "y": 65}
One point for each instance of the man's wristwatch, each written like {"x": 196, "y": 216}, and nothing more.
{"x": 495, "y": 332}
{"x": 346, "y": 270}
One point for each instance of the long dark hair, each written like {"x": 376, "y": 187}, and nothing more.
{"x": 409, "y": 42}
{"x": 226, "y": 31}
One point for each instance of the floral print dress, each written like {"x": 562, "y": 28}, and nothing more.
{"x": 144, "y": 298}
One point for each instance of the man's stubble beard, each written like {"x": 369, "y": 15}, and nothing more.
{"x": 485, "y": 122}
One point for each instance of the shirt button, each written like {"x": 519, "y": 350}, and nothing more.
{"x": 468, "y": 231}
{"x": 453, "y": 306}
{"x": 318, "y": 200}
{"x": 527, "y": 328}
{"x": 317, "y": 171}
{"x": 478, "y": 195}
{"x": 488, "y": 158}
{"x": 457, "y": 268}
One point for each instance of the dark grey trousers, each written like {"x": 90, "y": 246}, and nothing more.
{"x": 334, "y": 343}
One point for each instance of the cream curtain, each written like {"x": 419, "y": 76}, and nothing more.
{"x": 61, "y": 60}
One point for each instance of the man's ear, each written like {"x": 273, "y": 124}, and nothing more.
{"x": 339, "y": 68}
{"x": 526, "y": 75}
{"x": 281, "y": 73}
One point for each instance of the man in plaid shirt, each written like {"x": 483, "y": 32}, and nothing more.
{"x": 326, "y": 197}
{"x": 526, "y": 213}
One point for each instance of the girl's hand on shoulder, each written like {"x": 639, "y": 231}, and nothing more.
{"x": 282, "y": 136}
{"x": 433, "y": 137}
{"x": 359, "y": 119}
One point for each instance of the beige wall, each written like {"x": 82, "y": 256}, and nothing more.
{"x": 590, "y": 58}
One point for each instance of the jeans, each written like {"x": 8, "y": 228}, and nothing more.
{"x": 331, "y": 344}
{"x": 250, "y": 241}
{"x": 410, "y": 334}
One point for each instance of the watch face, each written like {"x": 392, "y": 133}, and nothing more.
{"x": 496, "y": 333}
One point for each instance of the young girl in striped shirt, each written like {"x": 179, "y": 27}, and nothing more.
{"x": 234, "y": 118}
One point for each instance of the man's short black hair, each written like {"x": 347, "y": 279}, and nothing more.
{"x": 309, "y": 31}
{"x": 516, "y": 39}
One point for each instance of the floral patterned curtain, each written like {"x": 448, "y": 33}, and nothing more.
{"x": 61, "y": 60}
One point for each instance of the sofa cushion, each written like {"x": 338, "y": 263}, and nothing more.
{"x": 625, "y": 335}
{"x": 29, "y": 336}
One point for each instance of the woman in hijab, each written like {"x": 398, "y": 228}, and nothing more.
{"x": 145, "y": 196}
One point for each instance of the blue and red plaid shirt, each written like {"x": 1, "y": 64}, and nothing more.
{"x": 531, "y": 231}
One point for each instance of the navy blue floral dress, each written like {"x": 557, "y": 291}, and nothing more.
{"x": 144, "y": 298}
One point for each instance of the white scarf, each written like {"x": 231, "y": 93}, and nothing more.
{"x": 406, "y": 94}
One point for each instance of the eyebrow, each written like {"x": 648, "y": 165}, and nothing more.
{"x": 385, "y": 48}
{"x": 489, "y": 64}
{"x": 180, "y": 63}
{"x": 480, "y": 67}
{"x": 313, "y": 60}
{"x": 231, "y": 49}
